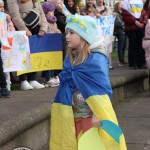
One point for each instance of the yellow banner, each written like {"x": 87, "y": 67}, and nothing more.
{"x": 44, "y": 61}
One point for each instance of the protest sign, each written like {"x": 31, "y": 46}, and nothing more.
{"x": 46, "y": 53}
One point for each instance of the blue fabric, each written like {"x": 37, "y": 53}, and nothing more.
{"x": 112, "y": 129}
{"x": 90, "y": 78}
{"x": 47, "y": 43}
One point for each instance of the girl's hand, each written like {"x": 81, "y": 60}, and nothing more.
{"x": 95, "y": 121}
{"x": 41, "y": 33}
{"x": 28, "y": 33}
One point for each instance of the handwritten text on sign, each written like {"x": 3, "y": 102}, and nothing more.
{"x": 106, "y": 29}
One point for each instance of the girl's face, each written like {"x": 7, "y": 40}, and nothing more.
{"x": 73, "y": 40}
{"x": 70, "y": 3}
{"x": 2, "y": 7}
{"x": 50, "y": 14}
{"x": 59, "y": 5}
{"x": 90, "y": 2}
{"x": 120, "y": 6}
{"x": 100, "y": 2}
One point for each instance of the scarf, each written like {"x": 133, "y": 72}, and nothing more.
{"x": 134, "y": 7}
{"x": 51, "y": 19}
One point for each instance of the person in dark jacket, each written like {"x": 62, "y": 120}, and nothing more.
{"x": 134, "y": 28}
{"x": 120, "y": 34}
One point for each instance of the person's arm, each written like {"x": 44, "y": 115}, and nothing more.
{"x": 13, "y": 7}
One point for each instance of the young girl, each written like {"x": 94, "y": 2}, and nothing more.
{"x": 83, "y": 97}
{"x": 90, "y": 9}
{"x": 72, "y": 6}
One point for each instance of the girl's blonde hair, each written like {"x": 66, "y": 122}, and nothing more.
{"x": 79, "y": 56}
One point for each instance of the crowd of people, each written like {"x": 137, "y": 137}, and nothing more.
{"x": 53, "y": 20}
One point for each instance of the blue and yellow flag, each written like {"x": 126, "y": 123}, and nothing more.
{"x": 134, "y": 7}
{"x": 46, "y": 53}
{"x": 91, "y": 78}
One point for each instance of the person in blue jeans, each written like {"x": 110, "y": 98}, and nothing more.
{"x": 120, "y": 34}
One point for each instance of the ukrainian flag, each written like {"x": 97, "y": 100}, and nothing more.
{"x": 91, "y": 78}
{"x": 46, "y": 53}
{"x": 136, "y": 8}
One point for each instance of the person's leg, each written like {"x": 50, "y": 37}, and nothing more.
{"x": 141, "y": 51}
{"x": 3, "y": 89}
{"x": 132, "y": 51}
{"x": 121, "y": 46}
{"x": 8, "y": 80}
{"x": 2, "y": 77}
{"x": 31, "y": 78}
{"x": 24, "y": 83}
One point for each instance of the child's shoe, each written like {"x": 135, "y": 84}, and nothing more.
{"x": 36, "y": 85}
{"x": 5, "y": 92}
{"x": 25, "y": 85}
{"x": 53, "y": 82}
{"x": 57, "y": 80}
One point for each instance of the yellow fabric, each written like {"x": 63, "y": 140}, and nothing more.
{"x": 44, "y": 61}
{"x": 62, "y": 127}
{"x": 103, "y": 110}
{"x": 135, "y": 9}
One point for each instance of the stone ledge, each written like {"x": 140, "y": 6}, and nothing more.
{"x": 17, "y": 125}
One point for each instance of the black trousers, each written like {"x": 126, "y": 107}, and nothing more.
{"x": 2, "y": 77}
{"x": 136, "y": 54}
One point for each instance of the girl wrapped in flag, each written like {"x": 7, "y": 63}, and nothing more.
{"x": 83, "y": 97}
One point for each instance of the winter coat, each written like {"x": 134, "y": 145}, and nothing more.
{"x": 129, "y": 20}
{"x": 103, "y": 10}
{"x": 61, "y": 21}
{"x": 18, "y": 11}
{"x": 52, "y": 28}
{"x": 146, "y": 44}
{"x": 119, "y": 24}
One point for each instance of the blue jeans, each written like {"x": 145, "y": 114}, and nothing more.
{"x": 47, "y": 74}
{"x": 121, "y": 46}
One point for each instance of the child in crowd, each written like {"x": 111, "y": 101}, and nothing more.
{"x": 83, "y": 97}
{"x": 48, "y": 9}
{"x": 61, "y": 23}
{"x": 72, "y": 6}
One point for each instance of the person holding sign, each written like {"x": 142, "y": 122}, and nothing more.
{"x": 19, "y": 10}
{"x": 83, "y": 98}
{"x": 103, "y": 10}
{"x": 135, "y": 19}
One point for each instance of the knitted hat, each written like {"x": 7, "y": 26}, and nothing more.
{"x": 85, "y": 26}
{"x": 48, "y": 6}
